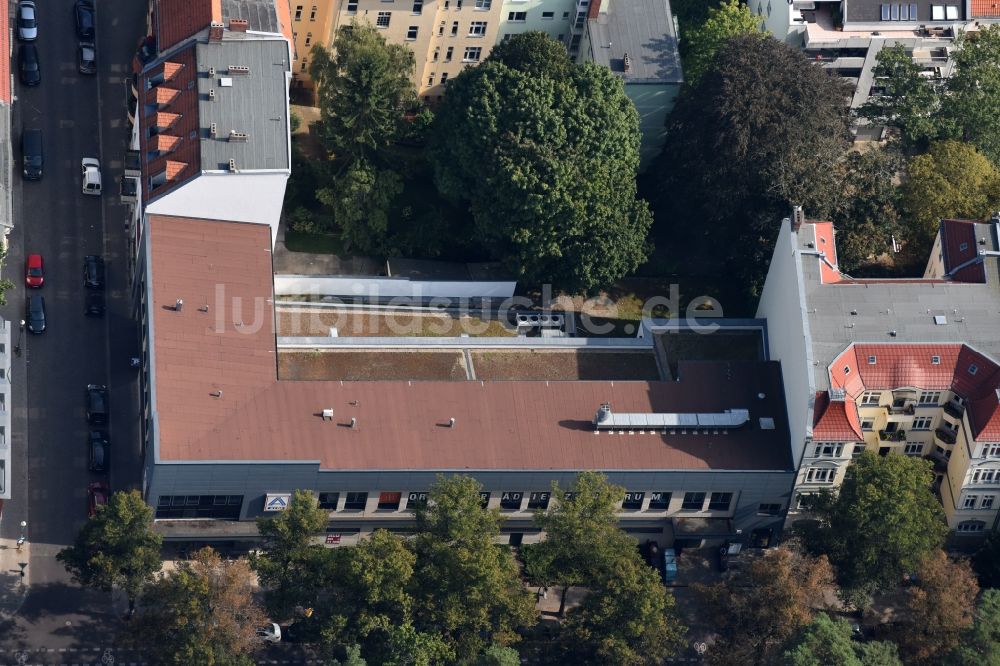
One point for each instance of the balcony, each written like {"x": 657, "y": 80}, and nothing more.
{"x": 954, "y": 409}
{"x": 133, "y": 164}
{"x": 129, "y": 189}
{"x": 940, "y": 462}
{"x": 946, "y": 435}
{"x": 907, "y": 408}
{"x": 892, "y": 435}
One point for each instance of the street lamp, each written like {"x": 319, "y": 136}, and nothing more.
{"x": 20, "y": 334}
{"x": 20, "y": 539}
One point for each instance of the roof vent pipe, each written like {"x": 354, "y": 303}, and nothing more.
{"x": 603, "y": 414}
{"x": 354, "y": 423}
{"x": 451, "y": 422}
{"x": 178, "y": 305}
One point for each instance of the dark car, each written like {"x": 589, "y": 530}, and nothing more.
{"x": 86, "y": 58}
{"x": 94, "y": 304}
{"x": 97, "y": 404}
{"x": 31, "y": 153}
{"x": 27, "y": 63}
{"x": 85, "y": 20}
{"x": 97, "y": 496}
{"x": 99, "y": 450}
{"x": 93, "y": 272}
{"x": 34, "y": 313}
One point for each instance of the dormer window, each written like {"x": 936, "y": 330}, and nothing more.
{"x": 847, "y": 370}
{"x": 935, "y": 360}
{"x": 871, "y": 360}
{"x": 973, "y": 369}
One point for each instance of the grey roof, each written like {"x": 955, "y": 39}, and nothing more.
{"x": 904, "y": 306}
{"x": 644, "y": 29}
{"x": 255, "y": 103}
{"x": 259, "y": 14}
{"x": 870, "y": 11}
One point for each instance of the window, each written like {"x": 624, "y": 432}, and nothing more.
{"x": 820, "y": 475}
{"x": 565, "y": 15}
{"x": 921, "y": 423}
{"x": 484, "y": 500}
{"x": 472, "y": 53}
{"x": 539, "y": 500}
{"x": 382, "y": 21}
{"x": 448, "y": 53}
{"x": 414, "y": 500}
{"x": 221, "y": 507}
{"x": 969, "y": 526}
{"x": 305, "y": 64}
{"x": 659, "y": 501}
{"x": 858, "y": 450}
{"x": 720, "y": 501}
{"x": 951, "y": 12}
{"x": 693, "y": 501}
{"x": 483, "y": 4}
{"x": 328, "y": 501}
{"x": 418, "y": 6}
{"x": 389, "y": 501}
{"x": 986, "y": 476}
{"x": 871, "y": 360}
{"x": 829, "y": 450}
{"x": 441, "y": 29}
{"x": 970, "y": 501}
{"x": 454, "y": 28}
{"x": 309, "y": 38}
{"x": 437, "y": 52}
{"x": 973, "y": 369}
{"x": 804, "y": 501}
{"x": 632, "y": 501}
{"x": 913, "y": 449}
{"x": 444, "y": 78}
{"x": 871, "y": 397}
{"x": 458, "y": 4}
{"x": 352, "y": 6}
{"x": 769, "y": 510}
{"x": 991, "y": 450}
{"x": 935, "y": 360}
{"x": 847, "y": 370}
{"x": 356, "y": 501}
{"x": 430, "y": 79}
{"x": 987, "y": 502}
{"x": 930, "y": 398}
{"x": 868, "y": 424}
{"x": 517, "y": 17}
{"x": 298, "y": 13}
{"x": 476, "y": 28}
{"x": 548, "y": 16}
{"x": 509, "y": 501}
{"x": 312, "y": 14}
{"x": 411, "y": 32}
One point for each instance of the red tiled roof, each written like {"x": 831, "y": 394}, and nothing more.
{"x": 400, "y": 424}
{"x": 166, "y": 143}
{"x": 164, "y": 120}
{"x": 165, "y": 95}
{"x": 958, "y": 245}
{"x": 177, "y": 20}
{"x": 961, "y": 369}
{"x": 170, "y": 70}
{"x": 985, "y": 9}
{"x": 836, "y": 420}
{"x": 174, "y": 169}
{"x": 825, "y": 243}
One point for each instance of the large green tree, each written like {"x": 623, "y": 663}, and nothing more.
{"x": 986, "y": 561}
{"x": 973, "y": 92}
{"x": 762, "y": 130}
{"x": 116, "y": 548}
{"x": 951, "y": 180}
{"x": 545, "y": 153}
{"x": 202, "y": 612}
{"x": 881, "y": 525}
{"x": 364, "y": 86}
{"x": 730, "y": 19}
{"x": 360, "y": 199}
{"x": 980, "y": 645}
{"x": 827, "y": 641}
{"x": 466, "y": 588}
{"x": 907, "y": 102}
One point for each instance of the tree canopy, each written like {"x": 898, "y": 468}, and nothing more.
{"x": 827, "y": 641}
{"x": 881, "y": 525}
{"x": 908, "y": 101}
{"x": 980, "y": 645}
{"x": 545, "y": 155}
{"x": 116, "y": 548}
{"x": 973, "y": 92}
{"x": 700, "y": 44}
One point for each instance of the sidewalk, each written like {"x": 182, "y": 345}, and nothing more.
{"x": 15, "y": 575}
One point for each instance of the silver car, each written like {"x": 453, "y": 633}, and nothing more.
{"x": 27, "y": 21}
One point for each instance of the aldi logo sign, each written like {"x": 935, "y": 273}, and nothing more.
{"x": 277, "y": 502}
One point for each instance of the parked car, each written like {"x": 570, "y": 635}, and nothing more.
{"x": 270, "y": 633}
{"x": 34, "y": 271}
{"x": 31, "y": 153}
{"x": 97, "y": 404}
{"x": 90, "y": 168}
{"x": 99, "y": 451}
{"x": 97, "y": 496}
{"x": 34, "y": 313}
{"x": 85, "y": 20}
{"x": 27, "y": 21}
{"x": 27, "y": 65}
{"x": 94, "y": 304}
{"x": 93, "y": 272}
{"x": 86, "y": 58}
{"x": 669, "y": 565}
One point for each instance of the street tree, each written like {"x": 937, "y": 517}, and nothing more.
{"x": 938, "y": 610}
{"x": 466, "y": 588}
{"x": 866, "y": 214}
{"x": 583, "y": 542}
{"x": 980, "y": 644}
{"x": 628, "y": 618}
{"x": 202, "y": 612}
{"x": 534, "y": 53}
{"x": 973, "y": 92}
{"x": 881, "y": 525}
{"x": 116, "y": 548}
{"x": 293, "y": 568}
{"x": 951, "y": 180}
{"x": 700, "y": 44}
{"x": 908, "y": 102}
{"x": 762, "y": 130}
{"x": 756, "y": 611}
{"x": 364, "y": 87}
{"x": 547, "y": 165}
{"x": 827, "y": 641}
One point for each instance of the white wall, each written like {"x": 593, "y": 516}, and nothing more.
{"x": 555, "y": 26}
{"x": 385, "y": 287}
{"x": 235, "y": 197}
{"x": 783, "y": 304}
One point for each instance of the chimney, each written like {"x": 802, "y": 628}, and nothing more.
{"x": 451, "y": 422}
{"x": 238, "y": 69}
{"x": 238, "y": 25}
{"x": 215, "y": 31}
{"x": 232, "y": 165}
{"x": 798, "y": 217}
{"x": 211, "y": 94}
{"x": 626, "y": 62}
{"x": 178, "y": 305}
{"x": 238, "y": 137}
{"x": 213, "y": 130}
{"x": 354, "y": 423}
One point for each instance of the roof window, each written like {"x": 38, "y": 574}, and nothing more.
{"x": 871, "y": 360}
{"x": 973, "y": 369}
{"x": 935, "y": 360}
{"x": 847, "y": 370}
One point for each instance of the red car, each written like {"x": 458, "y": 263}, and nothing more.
{"x": 34, "y": 271}
{"x": 97, "y": 495}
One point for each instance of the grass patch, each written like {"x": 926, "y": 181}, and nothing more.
{"x": 296, "y": 241}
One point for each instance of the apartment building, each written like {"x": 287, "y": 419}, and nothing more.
{"x": 312, "y": 25}
{"x": 906, "y": 366}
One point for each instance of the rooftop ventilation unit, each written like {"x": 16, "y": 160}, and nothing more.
{"x": 232, "y": 165}
{"x": 211, "y": 94}
{"x": 238, "y": 69}
{"x": 239, "y": 137}
{"x": 211, "y": 71}
{"x": 605, "y": 419}
{"x": 327, "y": 414}
{"x": 213, "y": 130}
{"x": 540, "y": 320}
